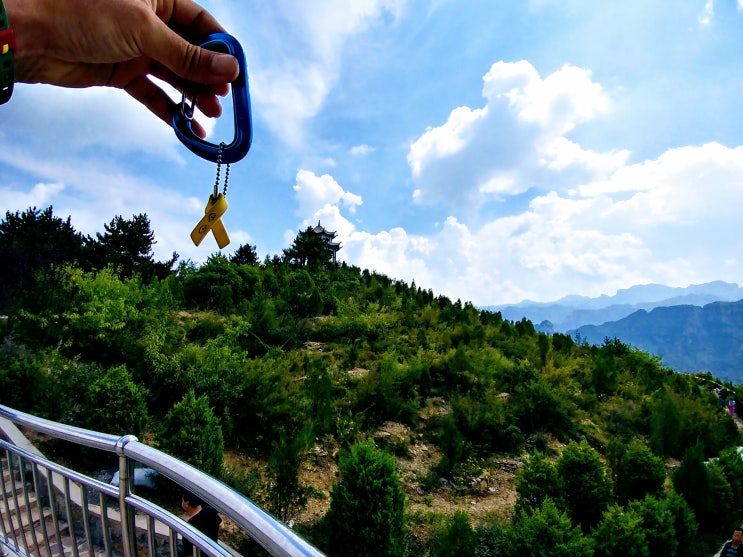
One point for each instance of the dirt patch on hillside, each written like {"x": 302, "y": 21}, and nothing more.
{"x": 489, "y": 490}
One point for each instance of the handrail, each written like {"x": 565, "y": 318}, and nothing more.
{"x": 273, "y": 535}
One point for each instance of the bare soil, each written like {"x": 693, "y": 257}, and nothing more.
{"x": 490, "y": 491}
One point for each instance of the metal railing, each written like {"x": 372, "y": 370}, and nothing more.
{"x": 46, "y": 502}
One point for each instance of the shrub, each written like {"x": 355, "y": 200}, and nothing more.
{"x": 458, "y": 539}
{"x": 552, "y": 530}
{"x": 190, "y": 431}
{"x": 366, "y": 516}
{"x": 114, "y": 404}
{"x": 537, "y": 481}
{"x": 21, "y": 381}
{"x": 639, "y": 473}
{"x": 587, "y": 488}
{"x": 621, "y": 534}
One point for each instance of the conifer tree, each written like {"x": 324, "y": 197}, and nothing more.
{"x": 190, "y": 431}
{"x": 587, "y": 488}
{"x": 366, "y": 516}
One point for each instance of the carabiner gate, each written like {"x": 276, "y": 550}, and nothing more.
{"x": 183, "y": 116}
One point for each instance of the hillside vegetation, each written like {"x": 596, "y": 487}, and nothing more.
{"x": 271, "y": 375}
{"x": 687, "y": 337}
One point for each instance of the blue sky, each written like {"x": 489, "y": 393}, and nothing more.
{"x": 490, "y": 151}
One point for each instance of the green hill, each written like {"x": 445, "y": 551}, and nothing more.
{"x": 502, "y": 437}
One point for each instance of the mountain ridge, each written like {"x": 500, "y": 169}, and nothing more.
{"x": 687, "y": 338}
{"x": 574, "y": 311}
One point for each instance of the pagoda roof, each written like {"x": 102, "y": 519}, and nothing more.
{"x": 320, "y": 229}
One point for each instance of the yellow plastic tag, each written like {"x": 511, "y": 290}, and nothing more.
{"x": 220, "y": 234}
{"x": 212, "y": 220}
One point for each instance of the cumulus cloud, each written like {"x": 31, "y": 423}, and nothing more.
{"x": 316, "y": 194}
{"x": 666, "y": 220}
{"x": 516, "y": 142}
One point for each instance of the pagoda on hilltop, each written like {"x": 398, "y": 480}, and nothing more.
{"x": 327, "y": 238}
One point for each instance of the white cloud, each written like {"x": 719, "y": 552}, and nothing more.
{"x": 40, "y": 196}
{"x": 516, "y": 141}
{"x": 291, "y": 78}
{"x": 708, "y": 13}
{"x": 361, "y": 150}
{"x": 93, "y": 194}
{"x": 316, "y": 194}
{"x": 670, "y": 220}
{"x": 58, "y": 122}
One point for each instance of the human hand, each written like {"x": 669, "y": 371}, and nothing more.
{"x": 118, "y": 43}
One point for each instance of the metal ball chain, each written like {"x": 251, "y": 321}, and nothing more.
{"x": 219, "y": 170}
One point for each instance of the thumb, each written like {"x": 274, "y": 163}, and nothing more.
{"x": 192, "y": 62}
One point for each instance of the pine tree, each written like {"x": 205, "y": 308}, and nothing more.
{"x": 366, "y": 516}
{"x": 190, "y": 431}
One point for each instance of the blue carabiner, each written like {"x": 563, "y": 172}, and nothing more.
{"x": 183, "y": 116}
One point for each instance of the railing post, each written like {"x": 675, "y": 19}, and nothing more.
{"x": 126, "y": 468}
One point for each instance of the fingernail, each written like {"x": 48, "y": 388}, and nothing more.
{"x": 224, "y": 65}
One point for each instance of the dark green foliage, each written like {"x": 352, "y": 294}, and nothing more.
{"x": 319, "y": 389}
{"x": 605, "y": 375}
{"x": 684, "y": 524}
{"x": 638, "y": 473}
{"x": 217, "y": 285}
{"x": 308, "y": 250}
{"x": 303, "y": 297}
{"x": 493, "y": 539}
{"x": 621, "y": 534}
{"x": 286, "y": 495}
{"x": 658, "y": 523}
{"x": 700, "y": 420}
{"x": 549, "y": 531}
{"x": 126, "y": 246}
{"x": 722, "y": 502}
{"x": 731, "y": 465}
{"x": 665, "y": 426}
{"x": 691, "y": 480}
{"x": 450, "y": 440}
{"x": 31, "y": 244}
{"x": 366, "y": 516}
{"x": 458, "y": 539}
{"x": 562, "y": 343}
{"x": 190, "y": 431}
{"x": 245, "y": 255}
{"x": 537, "y": 481}
{"x": 388, "y": 393}
{"x": 486, "y": 423}
{"x": 265, "y": 403}
{"x": 539, "y": 406}
{"x": 22, "y": 383}
{"x": 587, "y": 489}
{"x": 113, "y": 403}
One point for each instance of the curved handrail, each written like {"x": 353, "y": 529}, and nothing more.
{"x": 272, "y": 534}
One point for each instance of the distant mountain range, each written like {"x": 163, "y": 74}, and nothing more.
{"x": 697, "y": 328}
{"x": 572, "y": 312}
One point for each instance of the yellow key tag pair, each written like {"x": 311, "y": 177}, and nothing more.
{"x": 212, "y": 221}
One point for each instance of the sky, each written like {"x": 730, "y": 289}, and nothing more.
{"x": 491, "y": 151}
